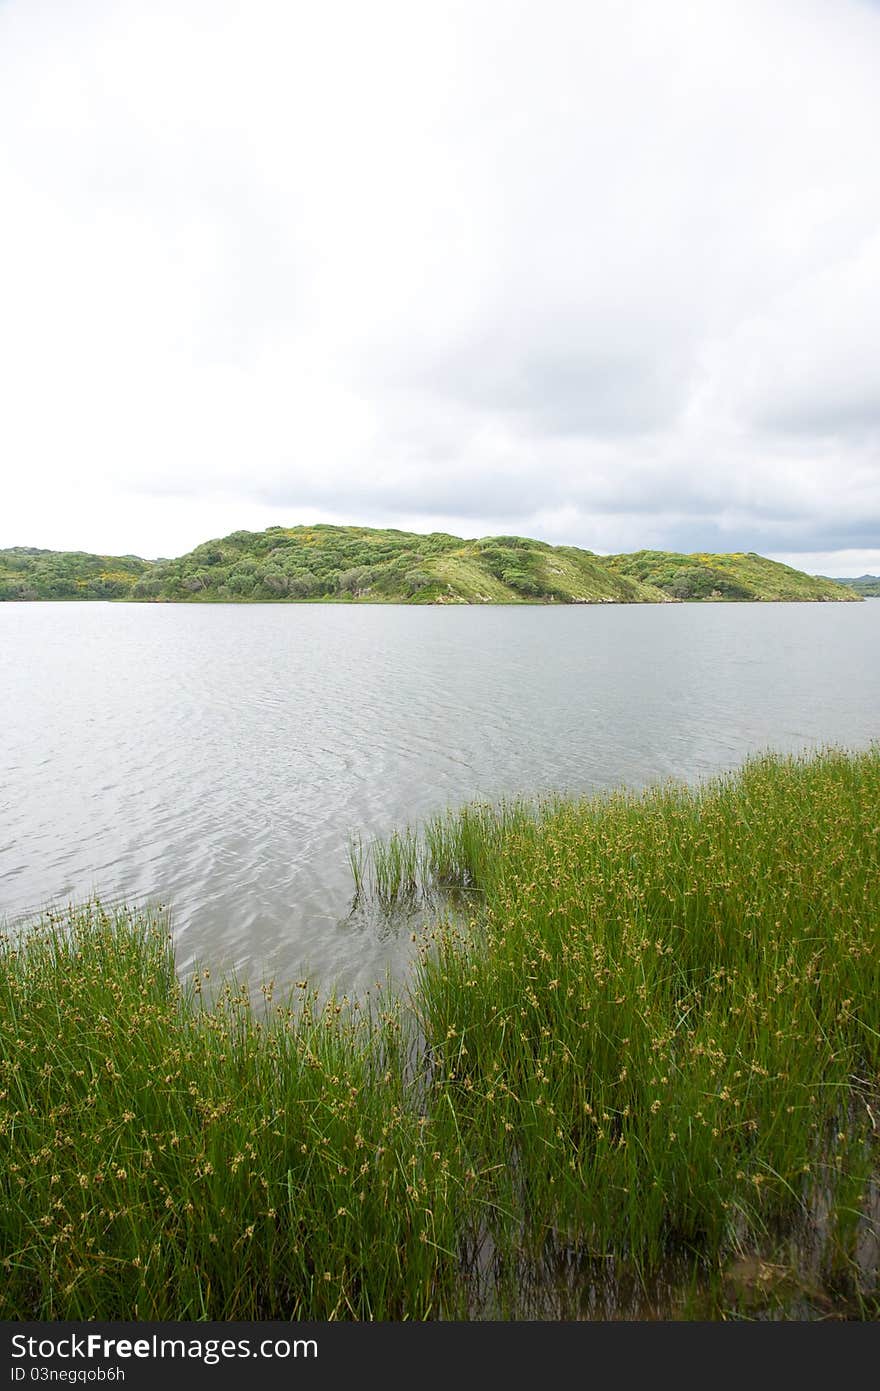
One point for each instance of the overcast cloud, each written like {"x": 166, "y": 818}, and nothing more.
{"x": 605, "y": 272}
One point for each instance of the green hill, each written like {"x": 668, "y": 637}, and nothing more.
{"x": 866, "y": 585}
{"x": 738, "y": 576}
{"x": 28, "y": 573}
{"x": 346, "y": 564}
{"x": 367, "y": 565}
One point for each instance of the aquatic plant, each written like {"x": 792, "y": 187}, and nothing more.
{"x": 650, "y": 1043}
{"x": 164, "y": 1159}
{"x": 662, "y": 1028}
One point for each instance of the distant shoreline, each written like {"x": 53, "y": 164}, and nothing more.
{"x": 436, "y": 603}
{"x": 340, "y": 564}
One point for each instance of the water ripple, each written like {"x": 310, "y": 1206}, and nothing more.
{"x": 218, "y": 758}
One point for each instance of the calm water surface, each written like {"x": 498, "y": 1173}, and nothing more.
{"x": 219, "y": 758}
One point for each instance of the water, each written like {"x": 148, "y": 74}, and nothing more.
{"x": 218, "y": 758}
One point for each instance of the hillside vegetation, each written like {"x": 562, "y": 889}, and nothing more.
{"x": 362, "y": 564}
{"x": 28, "y": 573}
{"x": 736, "y": 576}
{"x": 866, "y": 585}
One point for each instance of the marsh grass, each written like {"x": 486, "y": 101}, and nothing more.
{"x": 445, "y": 858}
{"x": 164, "y": 1160}
{"x": 662, "y": 1032}
{"x": 653, "y": 1046}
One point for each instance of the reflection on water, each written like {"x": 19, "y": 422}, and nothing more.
{"x": 218, "y": 758}
{"x": 808, "y": 1268}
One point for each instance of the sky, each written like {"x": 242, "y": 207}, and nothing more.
{"x": 601, "y": 272}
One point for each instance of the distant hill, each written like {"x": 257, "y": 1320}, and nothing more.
{"x": 29, "y": 573}
{"x": 364, "y": 565}
{"x": 866, "y": 585}
{"x": 737, "y": 576}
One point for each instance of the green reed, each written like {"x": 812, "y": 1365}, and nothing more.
{"x": 656, "y": 1039}
{"x": 159, "y": 1159}
{"x": 664, "y": 1029}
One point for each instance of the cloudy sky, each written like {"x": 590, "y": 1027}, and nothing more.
{"x": 605, "y": 272}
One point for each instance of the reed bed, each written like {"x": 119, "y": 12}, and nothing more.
{"x": 163, "y": 1160}
{"x": 662, "y": 1032}
{"x": 655, "y": 1041}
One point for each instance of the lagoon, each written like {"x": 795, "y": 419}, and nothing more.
{"x": 219, "y": 758}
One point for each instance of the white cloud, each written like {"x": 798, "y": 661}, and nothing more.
{"x": 846, "y": 564}
{"x": 605, "y": 273}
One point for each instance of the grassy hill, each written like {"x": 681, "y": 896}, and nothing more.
{"x": 28, "y": 573}
{"x": 366, "y": 565}
{"x": 375, "y": 566}
{"x": 738, "y": 576}
{"x": 866, "y": 585}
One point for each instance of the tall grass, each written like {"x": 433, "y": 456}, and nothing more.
{"x": 448, "y": 855}
{"x": 664, "y": 1031}
{"x": 160, "y": 1160}
{"x": 656, "y": 1041}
